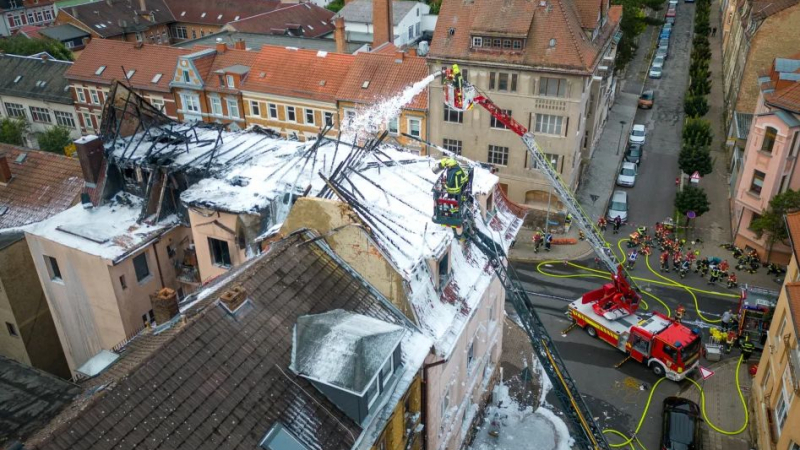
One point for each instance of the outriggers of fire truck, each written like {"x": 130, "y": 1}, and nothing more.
{"x": 668, "y": 347}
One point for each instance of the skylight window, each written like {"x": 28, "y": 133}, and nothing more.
{"x": 325, "y": 24}
{"x": 203, "y": 15}
{"x": 16, "y": 80}
{"x": 310, "y": 27}
{"x": 279, "y": 438}
{"x": 100, "y": 70}
{"x": 365, "y": 84}
{"x": 183, "y": 13}
{"x": 236, "y": 18}
{"x": 130, "y": 73}
{"x": 219, "y": 17}
{"x": 156, "y": 78}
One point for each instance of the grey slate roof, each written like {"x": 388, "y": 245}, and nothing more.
{"x": 223, "y": 380}
{"x": 255, "y": 41}
{"x": 28, "y": 77}
{"x": 343, "y": 349}
{"x": 64, "y": 32}
{"x": 742, "y": 123}
{"x": 30, "y": 398}
{"x": 361, "y": 11}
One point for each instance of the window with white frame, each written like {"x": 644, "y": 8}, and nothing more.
{"x": 392, "y": 126}
{"x": 158, "y": 103}
{"x": 180, "y": 32}
{"x": 87, "y": 120}
{"x": 230, "y": 81}
{"x": 81, "y": 95}
{"x": 416, "y": 29}
{"x": 216, "y": 106}
{"x": 452, "y": 145}
{"x": 309, "y": 116}
{"x": 349, "y": 116}
{"x": 95, "y": 96}
{"x": 552, "y": 158}
{"x": 498, "y": 155}
{"x": 291, "y": 114}
{"x": 65, "y": 119}
{"x": 255, "y": 108}
{"x": 453, "y": 115}
{"x": 410, "y": 32}
{"x": 41, "y": 115}
{"x": 781, "y": 412}
{"x": 415, "y": 127}
{"x": 549, "y": 124}
{"x": 15, "y": 110}
{"x": 273, "y": 110}
{"x": 552, "y": 87}
{"x": 328, "y": 118}
{"x": 186, "y": 76}
{"x": 191, "y": 103}
{"x": 386, "y": 372}
{"x": 233, "y": 108}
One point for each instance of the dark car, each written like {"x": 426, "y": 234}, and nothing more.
{"x": 681, "y": 425}
{"x": 646, "y": 99}
{"x": 634, "y": 153}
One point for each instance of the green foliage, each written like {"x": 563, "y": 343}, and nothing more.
{"x": 655, "y": 5}
{"x": 695, "y": 105}
{"x": 692, "y": 199}
{"x": 771, "y": 222}
{"x": 697, "y": 133}
{"x": 700, "y": 85}
{"x": 54, "y": 140}
{"x": 20, "y": 45}
{"x": 435, "y": 5}
{"x": 12, "y": 130}
{"x": 335, "y": 5}
{"x": 695, "y": 158}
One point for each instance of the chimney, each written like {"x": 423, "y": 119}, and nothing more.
{"x": 142, "y": 6}
{"x": 90, "y": 154}
{"x": 165, "y": 305}
{"x": 412, "y": 52}
{"x": 233, "y": 298}
{"x": 239, "y": 45}
{"x": 339, "y": 36}
{"x": 5, "y": 171}
{"x": 399, "y": 56}
{"x": 383, "y": 29}
{"x": 221, "y": 47}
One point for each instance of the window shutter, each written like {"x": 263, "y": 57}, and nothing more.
{"x": 566, "y": 127}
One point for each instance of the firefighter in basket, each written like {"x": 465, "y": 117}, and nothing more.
{"x": 458, "y": 94}
{"x": 455, "y": 178}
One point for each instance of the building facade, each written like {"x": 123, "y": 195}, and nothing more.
{"x": 148, "y": 69}
{"x": 558, "y": 84}
{"x": 769, "y": 164}
{"x": 407, "y": 21}
{"x": 198, "y": 18}
{"x": 140, "y": 21}
{"x": 34, "y": 89}
{"x": 15, "y": 14}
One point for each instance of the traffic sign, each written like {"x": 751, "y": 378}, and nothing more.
{"x": 706, "y": 373}
{"x": 695, "y": 177}
{"x": 691, "y": 214}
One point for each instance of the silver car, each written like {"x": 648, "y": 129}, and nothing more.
{"x": 658, "y": 61}
{"x": 655, "y": 72}
{"x": 618, "y": 206}
{"x": 627, "y": 176}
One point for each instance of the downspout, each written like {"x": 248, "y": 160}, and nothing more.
{"x": 424, "y": 400}
{"x": 158, "y": 263}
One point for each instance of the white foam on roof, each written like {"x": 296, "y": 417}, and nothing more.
{"x": 114, "y": 224}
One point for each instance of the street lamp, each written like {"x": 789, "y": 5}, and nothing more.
{"x": 621, "y": 129}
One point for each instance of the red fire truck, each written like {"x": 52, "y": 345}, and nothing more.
{"x": 666, "y": 346}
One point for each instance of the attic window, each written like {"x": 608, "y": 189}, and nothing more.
{"x": 100, "y": 70}
{"x": 41, "y": 83}
{"x": 552, "y": 43}
{"x": 130, "y": 73}
{"x": 279, "y": 438}
{"x": 3, "y": 209}
{"x": 262, "y": 74}
{"x": 365, "y": 84}
{"x": 451, "y": 31}
{"x": 322, "y": 82}
{"x": 203, "y": 15}
{"x": 310, "y": 27}
{"x": 21, "y": 158}
{"x": 325, "y": 24}
{"x": 156, "y": 78}
{"x": 322, "y": 53}
{"x": 16, "y": 80}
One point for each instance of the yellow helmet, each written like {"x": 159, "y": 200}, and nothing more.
{"x": 456, "y": 69}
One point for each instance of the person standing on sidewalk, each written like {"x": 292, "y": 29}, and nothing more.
{"x": 537, "y": 241}
{"x": 632, "y": 259}
{"x": 715, "y": 275}
{"x": 726, "y": 320}
{"x": 602, "y": 223}
{"x": 548, "y": 240}
{"x": 664, "y": 261}
{"x": 617, "y": 224}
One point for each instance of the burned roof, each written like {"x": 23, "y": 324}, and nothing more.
{"x": 35, "y": 78}
{"x": 30, "y": 399}
{"x": 223, "y": 381}
{"x": 43, "y": 184}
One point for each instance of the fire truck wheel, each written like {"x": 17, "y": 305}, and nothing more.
{"x": 591, "y": 331}
{"x": 658, "y": 369}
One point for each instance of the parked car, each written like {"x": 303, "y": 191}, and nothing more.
{"x": 663, "y": 42}
{"x": 634, "y": 153}
{"x": 673, "y": 3}
{"x": 658, "y": 61}
{"x": 618, "y": 206}
{"x": 669, "y": 20}
{"x": 646, "y": 99}
{"x": 667, "y": 26}
{"x": 663, "y": 52}
{"x": 672, "y": 12}
{"x": 665, "y": 34}
{"x": 627, "y": 175}
{"x": 681, "y": 424}
{"x": 655, "y": 72}
{"x": 638, "y": 134}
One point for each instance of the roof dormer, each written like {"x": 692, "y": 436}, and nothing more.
{"x": 348, "y": 357}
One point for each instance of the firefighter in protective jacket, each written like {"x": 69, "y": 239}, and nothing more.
{"x": 454, "y": 178}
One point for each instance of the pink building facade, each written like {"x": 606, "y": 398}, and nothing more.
{"x": 770, "y": 160}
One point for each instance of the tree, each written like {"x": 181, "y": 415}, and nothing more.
{"x": 771, "y": 222}
{"x": 695, "y": 105}
{"x": 693, "y": 159}
{"x": 13, "y": 130}
{"x": 335, "y": 5}
{"x": 21, "y": 45}
{"x": 692, "y": 199}
{"x": 697, "y": 132}
{"x": 54, "y": 140}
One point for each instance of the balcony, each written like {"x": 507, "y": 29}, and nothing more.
{"x": 550, "y": 104}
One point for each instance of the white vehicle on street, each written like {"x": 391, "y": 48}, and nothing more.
{"x": 618, "y": 206}
{"x": 627, "y": 176}
{"x": 638, "y": 134}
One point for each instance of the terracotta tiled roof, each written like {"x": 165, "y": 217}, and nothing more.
{"x": 115, "y": 17}
{"x": 305, "y": 19}
{"x": 615, "y": 13}
{"x": 298, "y": 73}
{"x": 793, "y": 297}
{"x": 555, "y": 38}
{"x": 147, "y": 60}
{"x": 209, "y": 65}
{"x": 764, "y": 8}
{"x": 31, "y": 31}
{"x": 589, "y": 10}
{"x": 387, "y": 75}
{"x": 787, "y": 98}
{"x": 43, "y": 185}
{"x": 219, "y": 12}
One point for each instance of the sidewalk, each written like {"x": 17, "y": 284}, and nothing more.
{"x": 723, "y": 406}
{"x": 523, "y": 249}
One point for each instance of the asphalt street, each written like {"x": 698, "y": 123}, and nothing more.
{"x": 616, "y": 396}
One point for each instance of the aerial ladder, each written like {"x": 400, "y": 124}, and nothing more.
{"x": 459, "y": 214}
